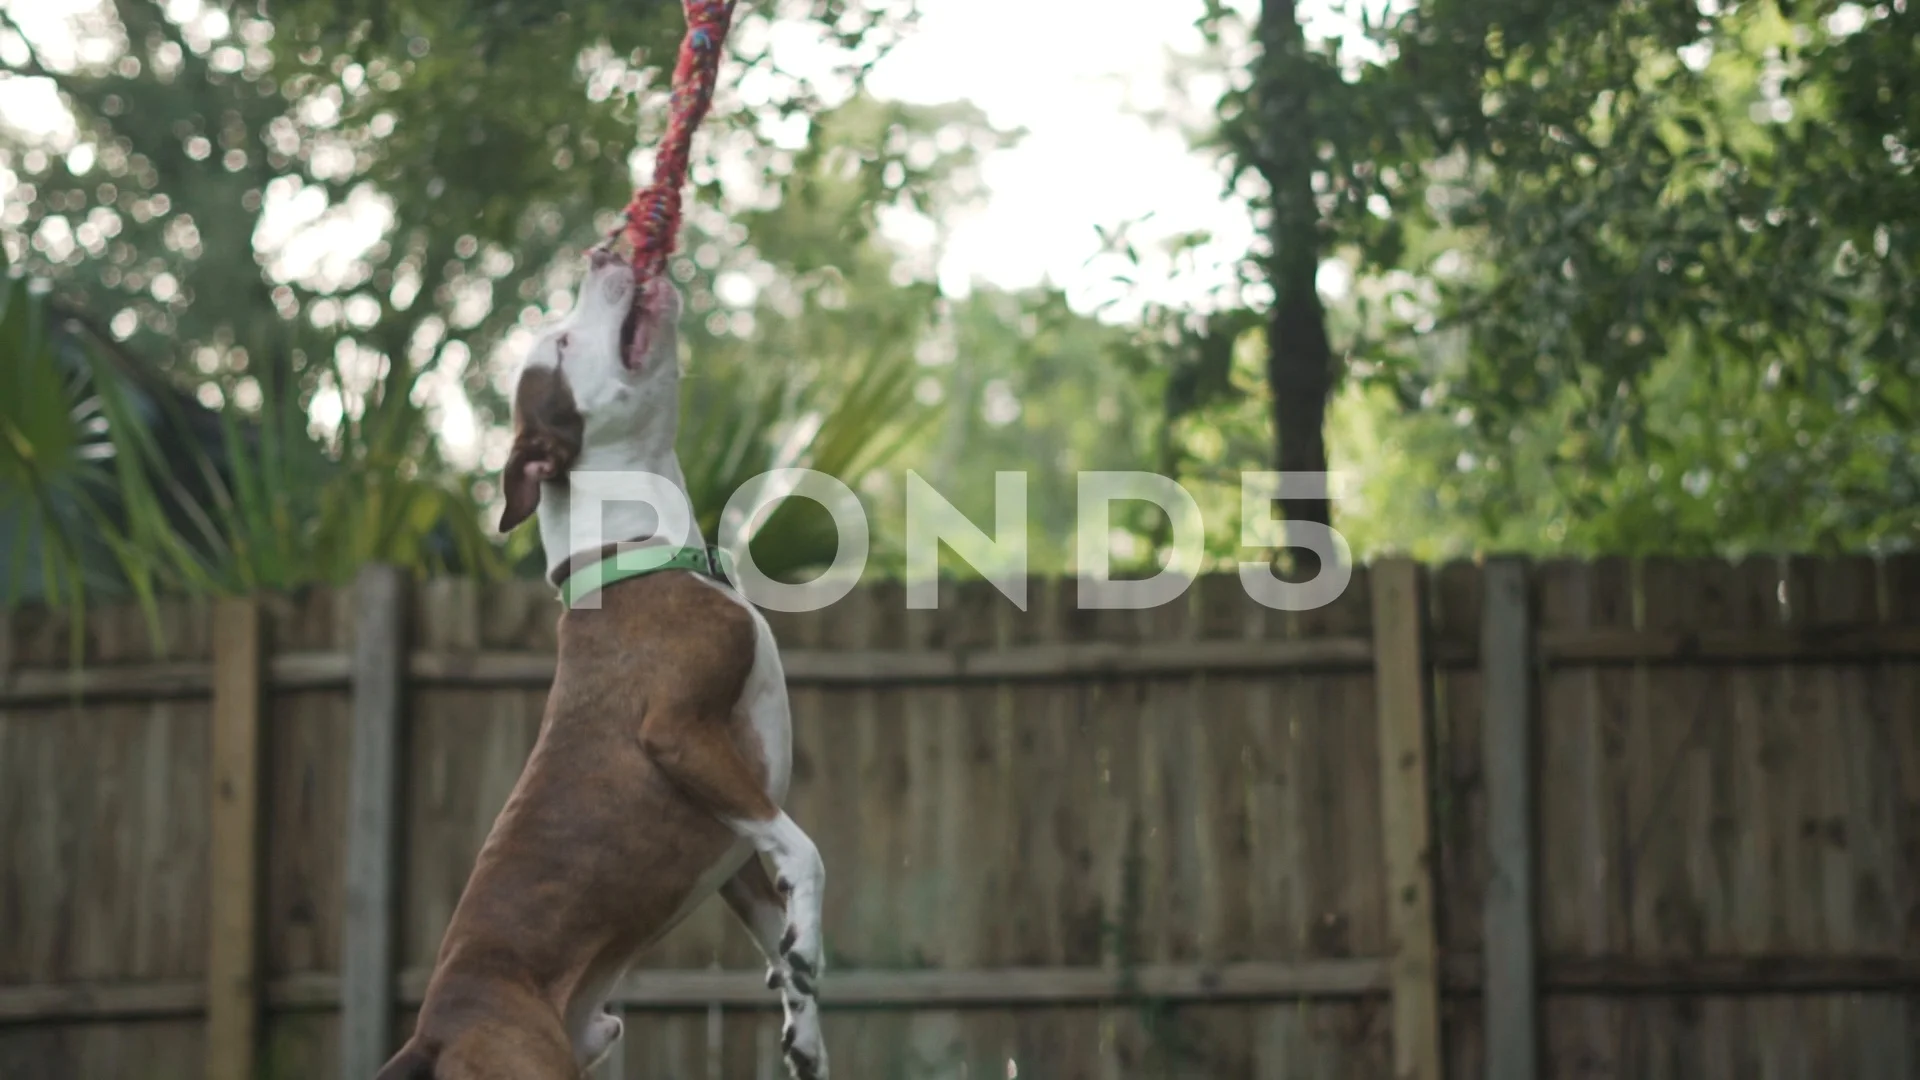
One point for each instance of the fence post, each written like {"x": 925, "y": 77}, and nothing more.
{"x": 1511, "y": 996}
{"x": 234, "y": 844}
{"x": 1402, "y": 695}
{"x": 373, "y": 822}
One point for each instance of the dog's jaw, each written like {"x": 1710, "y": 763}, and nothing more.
{"x": 632, "y": 348}
{"x": 649, "y": 327}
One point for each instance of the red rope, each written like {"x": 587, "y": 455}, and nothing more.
{"x": 653, "y": 217}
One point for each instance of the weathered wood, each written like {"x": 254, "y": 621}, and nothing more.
{"x": 1026, "y": 986}
{"x": 1399, "y": 623}
{"x": 1511, "y": 1026}
{"x": 1858, "y": 642}
{"x": 1724, "y": 889}
{"x": 1276, "y": 981}
{"x": 53, "y": 686}
{"x": 1732, "y": 975}
{"x": 59, "y": 1003}
{"x": 234, "y": 845}
{"x": 472, "y": 743}
{"x": 373, "y": 822}
{"x": 984, "y": 791}
{"x": 851, "y": 667}
{"x": 692, "y": 989}
{"x": 1596, "y": 647}
{"x": 307, "y": 670}
{"x": 1332, "y": 841}
{"x": 1462, "y": 861}
{"x": 1856, "y": 847}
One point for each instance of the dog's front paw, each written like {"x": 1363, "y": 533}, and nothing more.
{"x": 801, "y": 1042}
{"x": 804, "y": 956}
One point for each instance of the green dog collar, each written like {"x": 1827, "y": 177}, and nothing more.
{"x": 639, "y": 562}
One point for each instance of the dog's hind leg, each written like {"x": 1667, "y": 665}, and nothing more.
{"x": 751, "y": 896}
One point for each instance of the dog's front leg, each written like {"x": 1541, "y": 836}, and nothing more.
{"x": 700, "y": 756}
{"x": 752, "y": 898}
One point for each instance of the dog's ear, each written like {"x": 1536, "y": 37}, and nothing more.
{"x": 528, "y": 466}
{"x": 547, "y": 431}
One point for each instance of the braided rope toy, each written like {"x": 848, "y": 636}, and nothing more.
{"x": 652, "y": 220}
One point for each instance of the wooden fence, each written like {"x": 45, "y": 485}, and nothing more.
{"x": 1632, "y": 820}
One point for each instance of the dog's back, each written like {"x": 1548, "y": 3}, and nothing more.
{"x": 596, "y": 854}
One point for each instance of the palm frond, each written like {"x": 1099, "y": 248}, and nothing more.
{"x": 735, "y": 429}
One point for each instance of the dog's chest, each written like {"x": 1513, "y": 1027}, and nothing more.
{"x": 763, "y": 707}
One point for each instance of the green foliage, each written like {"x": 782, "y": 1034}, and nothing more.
{"x": 479, "y": 148}
{"x": 1631, "y": 277}
{"x": 104, "y": 485}
{"x": 286, "y": 511}
{"x": 1687, "y": 291}
{"x": 1627, "y": 277}
{"x": 818, "y": 369}
{"x": 740, "y": 428}
{"x": 79, "y": 506}
{"x": 472, "y": 161}
{"x": 1026, "y": 385}
{"x": 449, "y": 147}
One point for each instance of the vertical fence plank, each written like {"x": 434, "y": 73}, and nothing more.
{"x": 373, "y": 821}
{"x": 1400, "y": 670}
{"x": 234, "y": 848}
{"x": 1506, "y": 665}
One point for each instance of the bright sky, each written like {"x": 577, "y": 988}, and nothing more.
{"x": 1076, "y": 74}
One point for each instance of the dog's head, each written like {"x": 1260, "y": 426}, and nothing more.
{"x": 603, "y": 374}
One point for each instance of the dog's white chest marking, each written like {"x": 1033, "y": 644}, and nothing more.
{"x": 763, "y": 701}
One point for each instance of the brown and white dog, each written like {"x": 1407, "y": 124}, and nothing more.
{"x": 663, "y": 756}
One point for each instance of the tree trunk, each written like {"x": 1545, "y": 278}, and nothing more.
{"x": 1299, "y": 358}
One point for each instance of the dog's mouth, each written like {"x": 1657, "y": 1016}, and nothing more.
{"x": 633, "y": 352}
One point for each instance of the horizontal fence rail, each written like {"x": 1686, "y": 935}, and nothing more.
{"x": 1164, "y": 983}
{"x": 824, "y": 667}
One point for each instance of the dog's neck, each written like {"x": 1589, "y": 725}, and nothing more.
{"x": 622, "y": 520}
